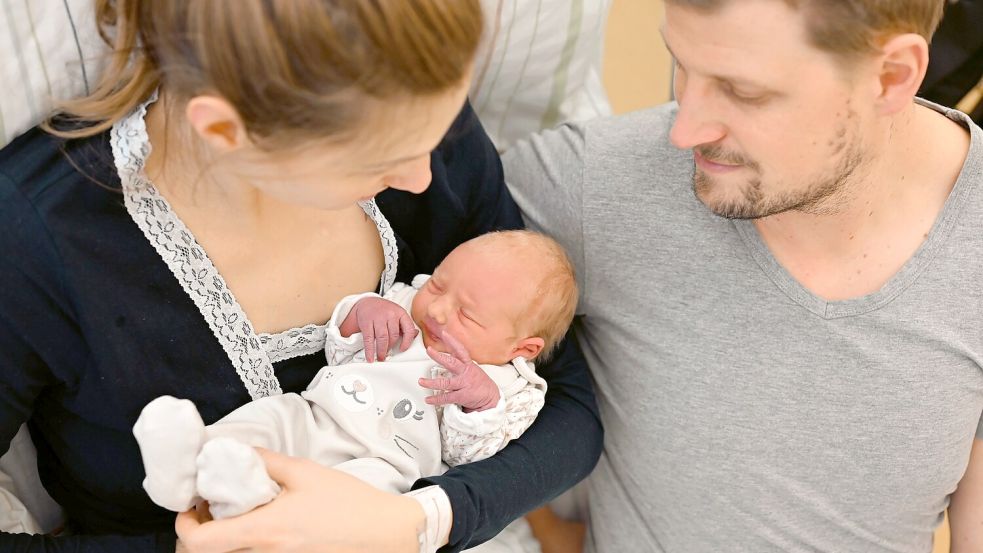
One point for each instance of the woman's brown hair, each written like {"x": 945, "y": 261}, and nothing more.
{"x": 293, "y": 69}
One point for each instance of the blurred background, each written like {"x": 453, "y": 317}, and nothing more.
{"x": 637, "y": 67}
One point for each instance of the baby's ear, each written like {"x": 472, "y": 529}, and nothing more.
{"x": 528, "y": 347}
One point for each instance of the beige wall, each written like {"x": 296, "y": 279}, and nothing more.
{"x": 637, "y": 71}
{"x": 636, "y": 63}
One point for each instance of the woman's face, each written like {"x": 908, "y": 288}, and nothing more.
{"x": 391, "y": 150}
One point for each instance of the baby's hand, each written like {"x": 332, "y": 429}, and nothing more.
{"x": 468, "y": 386}
{"x": 382, "y": 324}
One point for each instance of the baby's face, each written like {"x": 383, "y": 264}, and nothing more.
{"x": 478, "y": 298}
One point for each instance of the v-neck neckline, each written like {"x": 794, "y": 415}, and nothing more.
{"x": 912, "y": 268}
{"x": 251, "y": 354}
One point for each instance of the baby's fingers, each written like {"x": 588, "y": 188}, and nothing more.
{"x": 458, "y": 351}
{"x": 392, "y": 333}
{"x": 409, "y": 332}
{"x": 440, "y": 384}
{"x": 368, "y": 342}
{"x": 446, "y": 360}
{"x": 446, "y": 398}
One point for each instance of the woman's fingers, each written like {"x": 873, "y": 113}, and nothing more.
{"x": 200, "y": 534}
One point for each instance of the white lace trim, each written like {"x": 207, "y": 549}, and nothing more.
{"x": 252, "y": 355}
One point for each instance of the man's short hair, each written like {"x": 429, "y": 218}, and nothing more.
{"x": 849, "y": 29}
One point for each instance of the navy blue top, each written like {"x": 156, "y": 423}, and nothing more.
{"x": 93, "y": 325}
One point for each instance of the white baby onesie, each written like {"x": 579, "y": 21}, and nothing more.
{"x": 367, "y": 419}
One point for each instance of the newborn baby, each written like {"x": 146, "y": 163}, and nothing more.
{"x": 467, "y": 332}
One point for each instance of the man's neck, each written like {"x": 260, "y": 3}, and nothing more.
{"x": 887, "y": 212}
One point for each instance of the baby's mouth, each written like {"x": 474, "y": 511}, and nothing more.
{"x": 432, "y": 329}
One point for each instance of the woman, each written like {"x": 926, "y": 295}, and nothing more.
{"x": 190, "y": 229}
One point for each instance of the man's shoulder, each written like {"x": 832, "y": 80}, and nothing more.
{"x": 652, "y": 124}
{"x": 630, "y": 138}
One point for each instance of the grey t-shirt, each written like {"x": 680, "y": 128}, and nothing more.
{"x": 742, "y": 412}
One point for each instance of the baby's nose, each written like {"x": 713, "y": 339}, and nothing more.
{"x": 436, "y": 312}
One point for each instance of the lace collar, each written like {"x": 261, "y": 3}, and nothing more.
{"x": 251, "y": 354}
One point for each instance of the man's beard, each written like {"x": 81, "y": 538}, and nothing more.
{"x": 824, "y": 195}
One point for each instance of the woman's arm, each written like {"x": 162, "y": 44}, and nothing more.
{"x": 38, "y": 331}
{"x": 564, "y": 443}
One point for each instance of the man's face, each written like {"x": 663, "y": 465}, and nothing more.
{"x": 774, "y": 123}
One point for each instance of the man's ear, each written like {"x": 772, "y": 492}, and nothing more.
{"x": 902, "y": 65}
{"x": 217, "y": 123}
{"x": 528, "y": 347}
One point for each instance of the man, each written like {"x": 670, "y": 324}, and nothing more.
{"x": 791, "y": 360}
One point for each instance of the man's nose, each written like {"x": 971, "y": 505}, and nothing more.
{"x": 696, "y": 121}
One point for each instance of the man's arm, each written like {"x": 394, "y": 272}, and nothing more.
{"x": 966, "y": 506}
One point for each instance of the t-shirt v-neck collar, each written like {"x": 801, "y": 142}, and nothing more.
{"x": 968, "y": 181}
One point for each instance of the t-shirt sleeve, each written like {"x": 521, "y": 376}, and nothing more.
{"x": 979, "y": 429}
{"x": 545, "y": 176}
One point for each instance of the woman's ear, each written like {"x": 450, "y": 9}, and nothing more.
{"x": 903, "y": 63}
{"x": 528, "y": 347}
{"x": 216, "y": 122}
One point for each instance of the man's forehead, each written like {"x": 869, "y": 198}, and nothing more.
{"x": 751, "y": 41}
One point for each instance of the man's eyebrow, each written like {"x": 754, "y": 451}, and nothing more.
{"x": 722, "y": 78}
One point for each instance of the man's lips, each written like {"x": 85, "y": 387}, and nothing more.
{"x": 713, "y": 166}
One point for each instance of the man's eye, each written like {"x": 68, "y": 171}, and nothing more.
{"x": 744, "y": 98}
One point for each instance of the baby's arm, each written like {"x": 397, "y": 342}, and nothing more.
{"x": 470, "y": 437}
{"x": 362, "y": 322}
{"x": 478, "y": 417}
{"x": 382, "y": 323}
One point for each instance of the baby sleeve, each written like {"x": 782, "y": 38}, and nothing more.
{"x": 470, "y": 437}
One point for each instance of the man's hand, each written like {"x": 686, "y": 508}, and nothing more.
{"x": 382, "y": 324}
{"x": 468, "y": 386}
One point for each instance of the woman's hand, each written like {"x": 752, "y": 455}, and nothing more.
{"x": 382, "y": 323}
{"x": 319, "y": 510}
{"x": 468, "y": 386}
